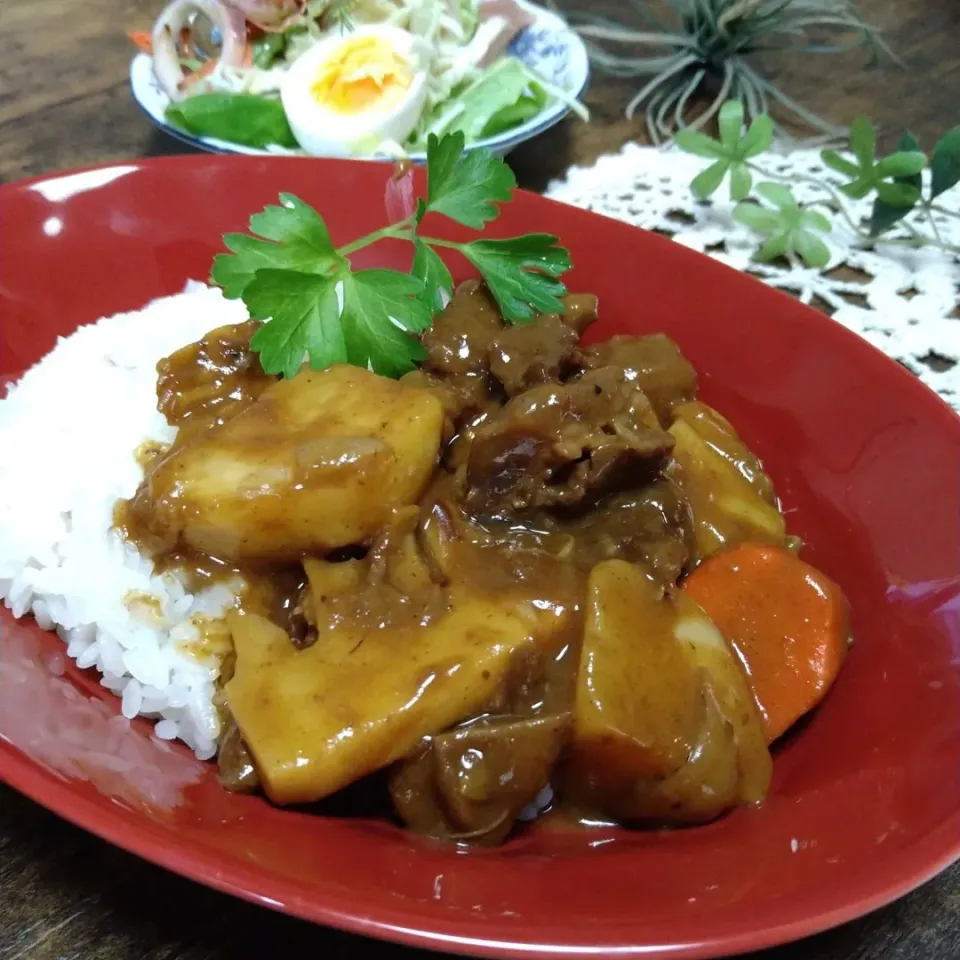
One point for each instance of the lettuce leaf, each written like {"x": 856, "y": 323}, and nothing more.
{"x": 235, "y": 117}
{"x": 504, "y": 97}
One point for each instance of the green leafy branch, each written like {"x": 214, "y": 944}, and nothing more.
{"x": 315, "y": 306}
{"x": 794, "y": 230}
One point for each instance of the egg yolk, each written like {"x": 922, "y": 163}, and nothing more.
{"x": 362, "y": 73}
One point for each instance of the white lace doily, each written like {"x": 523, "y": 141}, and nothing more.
{"x": 903, "y": 300}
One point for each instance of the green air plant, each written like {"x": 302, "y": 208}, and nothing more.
{"x": 705, "y": 49}
{"x": 792, "y": 230}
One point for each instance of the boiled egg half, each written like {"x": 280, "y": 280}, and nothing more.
{"x": 352, "y": 91}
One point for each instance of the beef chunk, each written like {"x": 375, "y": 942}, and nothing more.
{"x": 579, "y": 311}
{"x": 469, "y": 784}
{"x": 463, "y": 396}
{"x": 543, "y": 350}
{"x": 235, "y": 765}
{"x": 564, "y": 445}
{"x": 209, "y": 382}
{"x": 468, "y": 400}
{"x": 654, "y": 363}
{"x": 652, "y": 526}
{"x": 461, "y": 336}
{"x": 533, "y": 353}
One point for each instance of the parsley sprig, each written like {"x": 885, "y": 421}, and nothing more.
{"x": 315, "y": 306}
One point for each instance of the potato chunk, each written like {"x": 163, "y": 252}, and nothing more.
{"x": 317, "y": 462}
{"x": 730, "y": 496}
{"x": 665, "y": 727}
{"x": 359, "y": 698}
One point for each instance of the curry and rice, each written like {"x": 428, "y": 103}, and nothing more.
{"x": 531, "y": 574}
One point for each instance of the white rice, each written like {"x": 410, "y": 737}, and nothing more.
{"x": 69, "y": 430}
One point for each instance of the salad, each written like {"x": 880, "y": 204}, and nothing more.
{"x": 346, "y": 77}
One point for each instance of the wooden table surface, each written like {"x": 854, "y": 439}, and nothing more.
{"x": 64, "y": 102}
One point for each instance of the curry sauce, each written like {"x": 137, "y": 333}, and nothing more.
{"x": 467, "y": 577}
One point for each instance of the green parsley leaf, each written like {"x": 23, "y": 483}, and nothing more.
{"x": 294, "y": 223}
{"x": 379, "y": 307}
{"x": 432, "y": 272}
{"x": 520, "y": 273}
{"x": 464, "y": 186}
{"x": 295, "y": 237}
{"x": 234, "y": 271}
{"x": 315, "y": 307}
{"x": 302, "y": 317}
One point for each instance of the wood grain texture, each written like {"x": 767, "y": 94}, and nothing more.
{"x": 64, "y": 103}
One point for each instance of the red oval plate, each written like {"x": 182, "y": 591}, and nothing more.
{"x": 866, "y": 799}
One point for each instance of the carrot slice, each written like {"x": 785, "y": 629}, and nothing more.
{"x": 141, "y": 40}
{"x": 788, "y": 623}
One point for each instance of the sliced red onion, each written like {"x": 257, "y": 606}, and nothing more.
{"x": 166, "y": 38}
{"x": 269, "y": 15}
{"x": 510, "y": 19}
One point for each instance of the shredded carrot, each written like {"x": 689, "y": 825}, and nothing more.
{"x": 141, "y": 40}
{"x": 788, "y": 623}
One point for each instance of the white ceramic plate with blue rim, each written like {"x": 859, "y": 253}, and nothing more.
{"x": 548, "y": 46}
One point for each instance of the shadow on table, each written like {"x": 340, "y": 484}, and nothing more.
{"x": 161, "y": 144}
{"x": 544, "y": 158}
